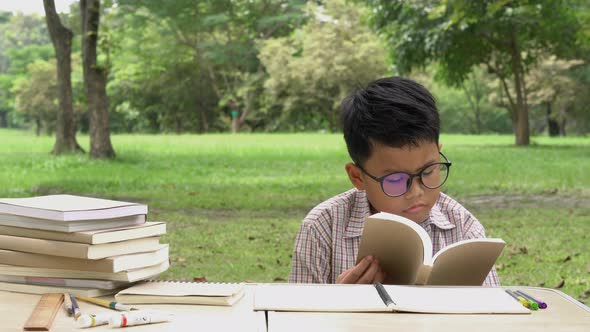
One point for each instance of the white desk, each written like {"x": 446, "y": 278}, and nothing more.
{"x": 563, "y": 314}
{"x": 15, "y": 309}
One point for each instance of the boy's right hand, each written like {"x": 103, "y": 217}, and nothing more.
{"x": 367, "y": 271}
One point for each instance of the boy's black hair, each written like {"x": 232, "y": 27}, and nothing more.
{"x": 393, "y": 111}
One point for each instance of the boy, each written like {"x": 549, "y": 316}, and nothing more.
{"x": 391, "y": 129}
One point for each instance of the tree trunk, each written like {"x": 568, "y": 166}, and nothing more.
{"x": 552, "y": 125}
{"x": 521, "y": 110}
{"x": 61, "y": 37}
{"x": 95, "y": 79}
{"x": 3, "y": 119}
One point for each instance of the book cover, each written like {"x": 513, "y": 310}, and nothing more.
{"x": 180, "y": 292}
{"x": 404, "y": 251}
{"x": 108, "y": 235}
{"x": 70, "y": 207}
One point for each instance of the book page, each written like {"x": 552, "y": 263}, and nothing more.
{"x": 465, "y": 263}
{"x": 318, "y": 297}
{"x": 400, "y": 245}
{"x": 465, "y": 300}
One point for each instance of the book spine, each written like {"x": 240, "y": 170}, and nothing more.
{"x": 384, "y": 295}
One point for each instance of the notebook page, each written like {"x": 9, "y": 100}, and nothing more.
{"x": 318, "y": 297}
{"x": 453, "y": 299}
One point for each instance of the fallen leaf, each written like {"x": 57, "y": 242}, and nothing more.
{"x": 251, "y": 238}
{"x": 500, "y": 267}
{"x": 262, "y": 267}
{"x": 538, "y": 259}
{"x": 560, "y": 284}
{"x": 200, "y": 279}
{"x": 541, "y": 283}
{"x": 279, "y": 261}
{"x": 567, "y": 259}
{"x": 279, "y": 279}
{"x": 192, "y": 193}
{"x": 524, "y": 250}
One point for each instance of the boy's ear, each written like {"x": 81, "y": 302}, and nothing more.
{"x": 355, "y": 176}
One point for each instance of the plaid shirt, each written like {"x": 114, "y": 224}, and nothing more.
{"x": 329, "y": 237}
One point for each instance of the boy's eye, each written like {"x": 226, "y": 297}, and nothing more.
{"x": 396, "y": 178}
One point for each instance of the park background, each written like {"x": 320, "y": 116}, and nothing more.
{"x": 222, "y": 116}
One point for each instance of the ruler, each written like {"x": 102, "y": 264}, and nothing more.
{"x": 42, "y": 316}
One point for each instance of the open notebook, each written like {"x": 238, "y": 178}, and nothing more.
{"x": 386, "y": 298}
{"x": 180, "y": 292}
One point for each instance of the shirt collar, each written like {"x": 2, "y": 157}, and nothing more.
{"x": 360, "y": 210}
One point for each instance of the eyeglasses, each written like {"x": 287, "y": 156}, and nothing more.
{"x": 398, "y": 183}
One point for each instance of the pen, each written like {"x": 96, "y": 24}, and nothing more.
{"x": 106, "y": 304}
{"x": 75, "y": 307}
{"x": 532, "y": 304}
{"x": 542, "y": 305}
{"x": 522, "y": 301}
{"x": 68, "y": 304}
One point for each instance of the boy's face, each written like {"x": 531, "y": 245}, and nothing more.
{"x": 416, "y": 203}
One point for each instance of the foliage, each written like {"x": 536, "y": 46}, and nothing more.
{"x": 312, "y": 70}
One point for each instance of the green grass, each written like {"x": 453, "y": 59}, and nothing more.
{"x": 233, "y": 203}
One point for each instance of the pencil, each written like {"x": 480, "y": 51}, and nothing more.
{"x": 105, "y": 303}
{"x": 522, "y": 301}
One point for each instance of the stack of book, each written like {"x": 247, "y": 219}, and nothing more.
{"x": 79, "y": 245}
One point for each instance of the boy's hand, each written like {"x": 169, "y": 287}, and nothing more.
{"x": 367, "y": 271}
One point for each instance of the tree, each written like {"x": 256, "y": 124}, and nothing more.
{"x": 312, "y": 70}
{"x": 61, "y": 37}
{"x": 95, "y": 80}
{"x": 505, "y": 36}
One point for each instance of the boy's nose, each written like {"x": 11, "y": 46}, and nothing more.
{"x": 416, "y": 188}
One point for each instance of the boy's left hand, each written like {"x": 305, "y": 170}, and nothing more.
{"x": 367, "y": 271}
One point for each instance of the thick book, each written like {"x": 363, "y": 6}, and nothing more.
{"x": 179, "y": 292}
{"x": 404, "y": 251}
{"x": 65, "y": 282}
{"x": 70, "y": 208}
{"x": 37, "y": 289}
{"x": 109, "y": 264}
{"x": 79, "y": 250}
{"x": 117, "y": 234}
{"x": 33, "y": 224}
{"x": 127, "y": 276}
{"x": 386, "y": 298}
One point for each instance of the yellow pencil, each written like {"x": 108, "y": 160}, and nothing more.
{"x": 105, "y": 303}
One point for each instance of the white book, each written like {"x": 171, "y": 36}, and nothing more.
{"x": 64, "y": 282}
{"x": 37, "y": 289}
{"x": 404, "y": 251}
{"x": 181, "y": 292}
{"x": 386, "y": 298}
{"x": 79, "y": 250}
{"x": 109, "y": 264}
{"x": 147, "y": 229}
{"x": 69, "y": 226}
{"x": 70, "y": 208}
{"x": 127, "y": 276}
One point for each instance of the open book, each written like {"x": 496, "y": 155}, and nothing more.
{"x": 179, "y": 292}
{"x": 386, "y": 298}
{"x": 404, "y": 251}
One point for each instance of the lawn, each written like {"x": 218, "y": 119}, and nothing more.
{"x": 233, "y": 203}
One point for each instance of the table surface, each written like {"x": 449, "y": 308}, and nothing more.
{"x": 15, "y": 309}
{"x": 563, "y": 314}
